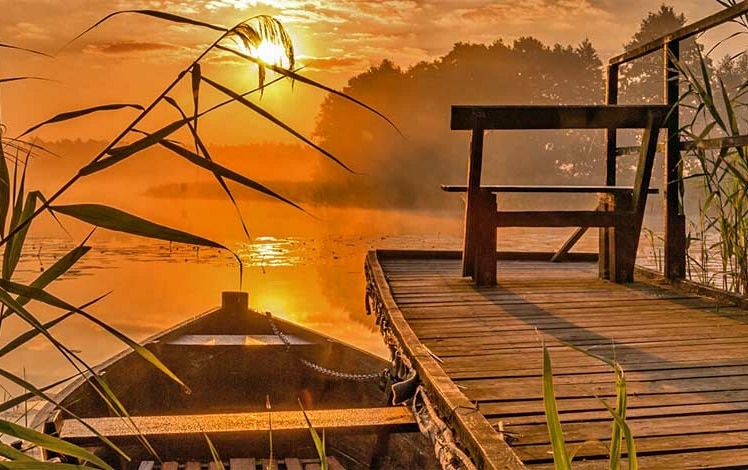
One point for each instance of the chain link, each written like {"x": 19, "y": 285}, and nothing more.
{"x": 324, "y": 370}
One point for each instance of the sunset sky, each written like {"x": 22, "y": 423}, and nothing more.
{"x": 131, "y": 58}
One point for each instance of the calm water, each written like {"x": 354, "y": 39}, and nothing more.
{"x": 316, "y": 280}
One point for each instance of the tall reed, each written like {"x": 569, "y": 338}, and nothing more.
{"x": 562, "y": 458}
{"x": 721, "y": 162}
{"x": 19, "y": 208}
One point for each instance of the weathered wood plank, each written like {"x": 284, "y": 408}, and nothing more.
{"x": 395, "y": 418}
{"x": 685, "y": 357}
{"x": 521, "y": 117}
{"x": 293, "y": 464}
{"x": 529, "y": 188}
{"x": 242, "y": 464}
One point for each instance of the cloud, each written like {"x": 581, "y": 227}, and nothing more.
{"x": 128, "y": 48}
{"x": 27, "y": 31}
{"x": 334, "y": 64}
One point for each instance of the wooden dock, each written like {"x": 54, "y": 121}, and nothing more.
{"x": 477, "y": 352}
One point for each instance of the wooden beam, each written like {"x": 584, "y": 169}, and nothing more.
{"x": 396, "y": 418}
{"x": 504, "y": 188}
{"x": 558, "y": 219}
{"x": 523, "y": 117}
{"x": 685, "y": 32}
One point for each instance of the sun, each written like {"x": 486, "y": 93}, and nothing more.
{"x": 271, "y": 53}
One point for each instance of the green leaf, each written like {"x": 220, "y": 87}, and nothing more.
{"x": 43, "y": 296}
{"x": 628, "y": 435}
{"x": 36, "y": 465}
{"x": 202, "y": 148}
{"x": 195, "y": 75}
{"x": 120, "y": 153}
{"x": 621, "y": 404}
{"x": 5, "y": 199}
{"x": 51, "y": 443}
{"x": 24, "y": 338}
{"x": 319, "y": 443}
{"x": 14, "y": 246}
{"x": 308, "y": 81}
{"x": 227, "y": 173}
{"x": 560, "y": 455}
{"x": 60, "y": 267}
{"x": 257, "y": 109}
{"x": 14, "y": 454}
{"x": 214, "y": 453}
{"x": 120, "y": 221}
{"x": 79, "y": 113}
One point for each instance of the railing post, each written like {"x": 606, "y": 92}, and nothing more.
{"x": 475, "y": 166}
{"x": 675, "y": 220}
{"x": 611, "y": 162}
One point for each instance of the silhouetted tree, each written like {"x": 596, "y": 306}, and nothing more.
{"x": 407, "y": 172}
{"x": 642, "y": 80}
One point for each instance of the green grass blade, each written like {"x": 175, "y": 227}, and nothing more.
{"x": 15, "y": 245}
{"x": 257, "y": 109}
{"x": 319, "y": 442}
{"x": 616, "y": 433}
{"x": 14, "y": 454}
{"x": 628, "y": 435}
{"x": 227, "y": 173}
{"x": 51, "y": 443}
{"x": 558, "y": 444}
{"x": 118, "y": 154}
{"x": 79, "y": 113}
{"x": 5, "y": 199}
{"x": 120, "y": 221}
{"x": 60, "y": 267}
{"x": 195, "y": 75}
{"x": 214, "y": 453}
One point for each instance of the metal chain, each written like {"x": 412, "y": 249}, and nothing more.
{"x": 324, "y": 370}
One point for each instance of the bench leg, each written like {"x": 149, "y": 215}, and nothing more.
{"x": 623, "y": 241}
{"x": 484, "y": 273}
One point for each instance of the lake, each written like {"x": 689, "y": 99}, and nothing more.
{"x": 315, "y": 279}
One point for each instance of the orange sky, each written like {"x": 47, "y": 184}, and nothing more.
{"x": 131, "y": 58}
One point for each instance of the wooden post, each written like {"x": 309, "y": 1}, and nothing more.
{"x": 675, "y": 220}
{"x": 475, "y": 166}
{"x": 485, "y": 239}
{"x": 611, "y": 162}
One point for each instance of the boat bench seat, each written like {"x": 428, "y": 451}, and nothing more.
{"x": 247, "y": 464}
{"x": 237, "y": 340}
{"x": 395, "y": 418}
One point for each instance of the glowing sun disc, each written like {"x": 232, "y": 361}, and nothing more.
{"x": 271, "y": 53}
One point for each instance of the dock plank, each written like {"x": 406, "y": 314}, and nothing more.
{"x": 685, "y": 356}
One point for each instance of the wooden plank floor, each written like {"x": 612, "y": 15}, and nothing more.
{"x": 685, "y": 357}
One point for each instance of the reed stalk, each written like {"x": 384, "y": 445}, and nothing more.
{"x": 19, "y": 208}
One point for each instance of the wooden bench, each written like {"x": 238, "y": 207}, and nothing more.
{"x": 620, "y": 211}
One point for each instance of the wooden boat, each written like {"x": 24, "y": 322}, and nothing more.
{"x": 238, "y": 362}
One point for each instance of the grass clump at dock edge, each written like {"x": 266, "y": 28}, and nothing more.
{"x": 562, "y": 458}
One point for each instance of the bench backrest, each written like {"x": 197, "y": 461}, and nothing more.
{"x": 556, "y": 117}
